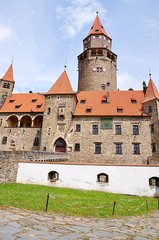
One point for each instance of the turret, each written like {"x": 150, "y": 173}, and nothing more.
{"x": 6, "y": 85}
{"x": 97, "y": 63}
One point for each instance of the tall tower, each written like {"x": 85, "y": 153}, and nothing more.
{"x": 6, "y": 85}
{"x": 97, "y": 63}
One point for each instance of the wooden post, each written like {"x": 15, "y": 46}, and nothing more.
{"x": 147, "y": 207}
{"x": 114, "y": 208}
{"x": 47, "y": 202}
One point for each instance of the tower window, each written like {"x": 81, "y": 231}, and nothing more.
{"x": 78, "y": 127}
{"x": 150, "y": 109}
{"x": 152, "y": 129}
{"x": 4, "y": 140}
{"x": 36, "y": 141}
{"x": 103, "y": 86}
{"x": 48, "y": 110}
{"x": 153, "y": 146}
{"x": 6, "y": 85}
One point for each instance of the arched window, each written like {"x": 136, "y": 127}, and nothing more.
{"x": 154, "y": 181}
{"x": 60, "y": 145}
{"x": 103, "y": 177}
{"x": 53, "y": 176}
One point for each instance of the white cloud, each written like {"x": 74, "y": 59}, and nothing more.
{"x": 152, "y": 25}
{"x": 6, "y": 33}
{"x": 78, "y": 14}
{"x": 126, "y": 81}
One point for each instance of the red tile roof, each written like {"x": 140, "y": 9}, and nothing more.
{"x": 151, "y": 93}
{"x": 97, "y": 27}
{"x": 116, "y": 100}
{"x": 61, "y": 86}
{"x": 23, "y": 102}
{"x": 8, "y": 75}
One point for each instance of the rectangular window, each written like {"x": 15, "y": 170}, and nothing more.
{"x": 152, "y": 128}
{"x": 135, "y": 129}
{"x": 78, "y": 127}
{"x": 36, "y": 141}
{"x": 48, "y": 110}
{"x": 77, "y": 147}
{"x": 98, "y": 148}
{"x": 118, "y": 148}
{"x": 153, "y": 146}
{"x": 95, "y": 129}
{"x": 133, "y": 101}
{"x": 88, "y": 110}
{"x": 118, "y": 129}
{"x": 136, "y": 148}
{"x": 4, "y": 140}
{"x": 149, "y": 109}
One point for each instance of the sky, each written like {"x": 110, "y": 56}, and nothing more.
{"x": 42, "y": 36}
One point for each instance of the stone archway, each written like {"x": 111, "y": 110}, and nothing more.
{"x": 60, "y": 145}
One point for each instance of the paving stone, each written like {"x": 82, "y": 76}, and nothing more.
{"x": 27, "y": 225}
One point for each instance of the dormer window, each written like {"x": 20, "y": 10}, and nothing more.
{"x": 119, "y": 109}
{"x": 33, "y": 100}
{"x": 133, "y": 101}
{"x": 18, "y": 106}
{"x": 88, "y": 110}
{"x": 83, "y": 101}
{"x": 11, "y": 100}
{"x": 38, "y": 106}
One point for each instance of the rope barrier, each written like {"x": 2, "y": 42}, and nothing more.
{"x": 115, "y": 205}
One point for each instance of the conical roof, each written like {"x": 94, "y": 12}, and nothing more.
{"x": 8, "y": 75}
{"x": 97, "y": 27}
{"x": 62, "y": 85}
{"x": 151, "y": 92}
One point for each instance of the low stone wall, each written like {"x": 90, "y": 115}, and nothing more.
{"x": 8, "y": 168}
{"x": 9, "y": 161}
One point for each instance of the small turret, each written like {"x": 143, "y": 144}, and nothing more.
{"x": 6, "y": 85}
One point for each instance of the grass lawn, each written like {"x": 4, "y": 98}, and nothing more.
{"x": 74, "y": 202}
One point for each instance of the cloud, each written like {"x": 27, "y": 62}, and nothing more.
{"x": 6, "y": 33}
{"x": 126, "y": 81}
{"x": 152, "y": 25}
{"x": 77, "y": 14}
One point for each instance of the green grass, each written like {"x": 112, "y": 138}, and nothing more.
{"x": 73, "y": 202}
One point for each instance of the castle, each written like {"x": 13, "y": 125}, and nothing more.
{"x": 98, "y": 125}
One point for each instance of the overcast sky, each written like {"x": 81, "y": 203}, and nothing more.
{"x": 41, "y": 36}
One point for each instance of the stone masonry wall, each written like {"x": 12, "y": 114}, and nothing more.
{"x": 108, "y": 140}
{"x": 90, "y": 80}
{"x": 8, "y": 167}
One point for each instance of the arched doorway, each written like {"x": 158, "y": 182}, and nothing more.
{"x": 60, "y": 145}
